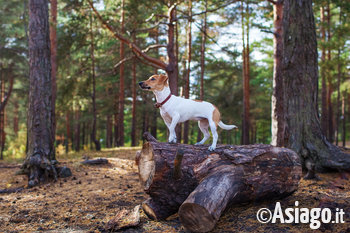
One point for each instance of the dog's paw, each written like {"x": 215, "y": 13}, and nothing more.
{"x": 198, "y": 143}
{"x": 211, "y": 148}
{"x": 172, "y": 141}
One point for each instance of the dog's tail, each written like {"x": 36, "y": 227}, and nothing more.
{"x": 226, "y": 127}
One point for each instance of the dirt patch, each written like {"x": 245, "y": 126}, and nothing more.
{"x": 86, "y": 201}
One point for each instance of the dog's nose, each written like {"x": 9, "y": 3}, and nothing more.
{"x": 140, "y": 83}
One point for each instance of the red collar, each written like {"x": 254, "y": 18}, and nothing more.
{"x": 158, "y": 105}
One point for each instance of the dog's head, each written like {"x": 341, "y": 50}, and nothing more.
{"x": 155, "y": 83}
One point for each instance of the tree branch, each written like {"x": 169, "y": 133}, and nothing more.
{"x": 272, "y": 32}
{"x": 122, "y": 61}
{"x": 155, "y": 46}
{"x": 131, "y": 45}
{"x": 272, "y": 1}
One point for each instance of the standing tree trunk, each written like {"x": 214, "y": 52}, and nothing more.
{"x": 303, "y": 132}
{"x": 189, "y": 54}
{"x": 337, "y": 120}
{"x": 155, "y": 110}
{"x": 77, "y": 130}
{"x": 172, "y": 66}
{"x": 67, "y": 131}
{"x": 115, "y": 122}
{"x": 133, "y": 88}
{"x": 121, "y": 86}
{"x": 15, "y": 117}
{"x": 93, "y": 94}
{"x": 53, "y": 39}
{"x": 2, "y": 115}
{"x": 245, "y": 55}
{"x": 109, "y": 131}
{"x": 324, "y": 109}
{"x": 277, "y": 119}
{"x": 204, "y": 37}
{"x": 40, "y": 160}
{"x": 343, "y": 118}
{"x": 83, "y": 142}
{"x": 329, "y": 78}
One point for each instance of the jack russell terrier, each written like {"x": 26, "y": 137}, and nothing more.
{"x": 174, "y": 109}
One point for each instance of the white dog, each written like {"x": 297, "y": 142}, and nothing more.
{"x": 174, "y": 109}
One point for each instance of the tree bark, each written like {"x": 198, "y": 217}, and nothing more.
{"x": 203, "y": 43}
{"x": 6, "y": 95}
{"x": 189, "y": 55}
{"x": 245, "y": 55}
{"x": 67, "y": 131}
{"x": 115, "y": 123}
{"x": 200, "y": 184}
{"x": 15, "y": 117}
{"x": 303, "y": 132}
{"x": 172, "y": 66}
{"x": 93, "y": 94}
{"x": 40, "y": 160}
{"x": 329, "y": 79}
{"x": 155, "y": 110}
{"x": 277, "y": 119}
{"x": 53, "y": 40}
{"x": 133, "y": 88}
{"x": 324, "y": 109}
{"x": 2, "y": 114}
{"x": 77, "y": 131}
{"x": 121, "y": 85}
{"x": 2, "y": 121}
{"x": 109, "y": 137}
{"x": 343, "y": 107}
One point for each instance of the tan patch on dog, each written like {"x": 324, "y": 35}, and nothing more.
{"x": 216, "y": 116}
{"x": 198, "y": 100}
{"x": 157, "y": 82}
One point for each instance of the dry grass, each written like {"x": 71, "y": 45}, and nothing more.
{"x": 86, "y": 201}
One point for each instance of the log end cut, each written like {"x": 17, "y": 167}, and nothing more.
{"x": 146, "y": 165}
{"x": 196, "y": 218}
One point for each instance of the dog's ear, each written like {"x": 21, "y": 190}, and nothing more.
{"x": 164, "y": 78}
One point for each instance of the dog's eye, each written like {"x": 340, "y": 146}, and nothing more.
{"x": 152, "y": 79}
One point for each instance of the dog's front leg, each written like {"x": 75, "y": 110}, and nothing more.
{"x": 172, "y": 133}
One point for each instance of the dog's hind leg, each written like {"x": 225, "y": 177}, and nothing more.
{"x": 214, "y": 133}
{"x": 203, "y": 126}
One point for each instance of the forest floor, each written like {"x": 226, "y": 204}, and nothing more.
{"x": 93, "y": 195}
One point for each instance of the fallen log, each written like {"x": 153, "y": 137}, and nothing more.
{"x": 199, "y": 184}
{"x": 95, "y": 161}
{"x": 11, "y": 190}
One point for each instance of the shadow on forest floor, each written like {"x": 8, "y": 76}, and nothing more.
{"x": 86, "y": 201}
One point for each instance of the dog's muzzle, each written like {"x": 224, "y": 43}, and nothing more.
{"x": 143, "y": 85}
